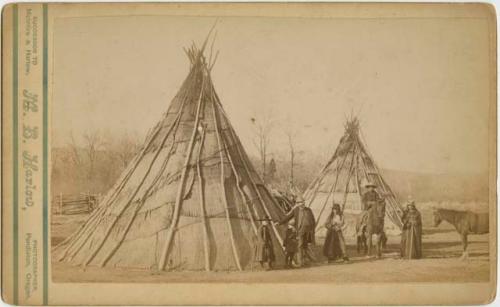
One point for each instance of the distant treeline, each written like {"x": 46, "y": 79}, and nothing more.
{"x": 94, "y": 169}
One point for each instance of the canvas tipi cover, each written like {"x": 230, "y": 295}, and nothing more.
{"x": 342, "y": 180}
{"x": 190, "y": 200}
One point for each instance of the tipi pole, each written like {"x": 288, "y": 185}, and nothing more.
{"x": 103, "y": 207}
{"x": 276, "y": 232}
{"x": 241, "y": 156}
{"x": 351, "y": 169}
{"x": 316, "y": 182}
{"x": 244, "y": 159}
{"x": 242, "y": 194}
{"x": 224, "y": 198}
{"x": 386, "y": 188}
{"x": 206, "y": 247}
{"x": 334, "y": 186}
{"x": 117, "y": 217}
{"x": 143, "y": 199}
{"x": 358, "y": 185}
{"x": 244, "y": 197}
{"x": 180, "y": 191}
{"x": 237, "y": 144}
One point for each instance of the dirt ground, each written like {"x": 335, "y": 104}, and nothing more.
{"x": 441, "y": 248}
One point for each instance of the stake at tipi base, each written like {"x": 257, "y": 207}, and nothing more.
{"x": 340, "y": 182}
{"x": 158, "y": 215}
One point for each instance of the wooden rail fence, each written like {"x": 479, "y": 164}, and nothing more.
{"x": 74, "y": 204}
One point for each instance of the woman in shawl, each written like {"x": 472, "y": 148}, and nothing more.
{"x": 334, "y": 247}
{"x": 411, "y": 237}
{"x": 264, "y": 249}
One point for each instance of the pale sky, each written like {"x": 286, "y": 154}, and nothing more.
{"x": 421, "y": 84}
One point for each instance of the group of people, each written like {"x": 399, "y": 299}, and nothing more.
{"x": 300, "y": 233}
{"x": 299, "y": 237}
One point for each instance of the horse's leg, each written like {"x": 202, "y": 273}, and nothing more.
{"x": 465, "y": 254}
{"x": 377, "y": 243}
{"x": 369, "y": 242}
{"x": 384, "y": 240}
{"x": 365, "y": 245}
{"x": 358, "y": 243}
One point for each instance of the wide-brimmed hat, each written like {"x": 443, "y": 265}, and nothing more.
{"x": 410, "y": 202}
{"x": 336, "y": 206}
{"x": 369, "y": 183}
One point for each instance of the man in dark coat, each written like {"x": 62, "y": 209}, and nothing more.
{"x": 411, "y": 237}
{"x": 370, "y": 196}
{"x": 305, "y": 224}
{"x": 264, "y": 251}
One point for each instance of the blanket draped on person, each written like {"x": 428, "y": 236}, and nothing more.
{"x": 411, "y": 237}
{"x": 334, "y": 247}
{"x": 264, "y": 251}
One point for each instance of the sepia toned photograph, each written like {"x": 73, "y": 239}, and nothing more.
{"x": 200, "y": 145}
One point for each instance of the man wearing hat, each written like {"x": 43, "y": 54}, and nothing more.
{"x": 368, "y": 199}
{"x": 370, "y": 196}
{"x": 304, "y": 223}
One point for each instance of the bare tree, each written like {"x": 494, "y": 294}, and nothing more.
{"x": 93, "y": 143}
{"x": 75, "y": 153}
{"x": 290, "y": 134}
{"x": 124, "y": 148}
{"x": 263, "y": 126}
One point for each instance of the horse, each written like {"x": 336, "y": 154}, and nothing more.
{"x": 465, "y": 222}
{"x": 370, "y": 229}
{"x": 361, "y": 236}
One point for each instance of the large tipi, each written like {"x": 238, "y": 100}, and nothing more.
{"x": 342, "y": 181}
{"x": 190, "y": 200}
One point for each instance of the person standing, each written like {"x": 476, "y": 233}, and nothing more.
{"x": 264, "y": 249}
{"x": 334, "y": 247}
{"x": 371, "y": 196}
{"x": 305, "y": 224}
{"x": 411, "y": 237}
{"x": 290, "y": 244}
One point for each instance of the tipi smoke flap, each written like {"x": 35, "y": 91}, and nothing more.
{"x": 190, "y": 200}
{"x": 341, "y": 181}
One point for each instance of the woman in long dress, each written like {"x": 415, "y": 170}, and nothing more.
{"x": 411, "y": 237}
{"x": 334, "y": 247}
{"x": 264, "y": 249}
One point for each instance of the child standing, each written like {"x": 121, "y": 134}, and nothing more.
{"x": 290, "y": 244}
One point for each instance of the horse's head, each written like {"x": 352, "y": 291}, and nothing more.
{"x": 437, "y": 218}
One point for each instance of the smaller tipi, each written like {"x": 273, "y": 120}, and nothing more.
{"x": 342, "y": 181}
